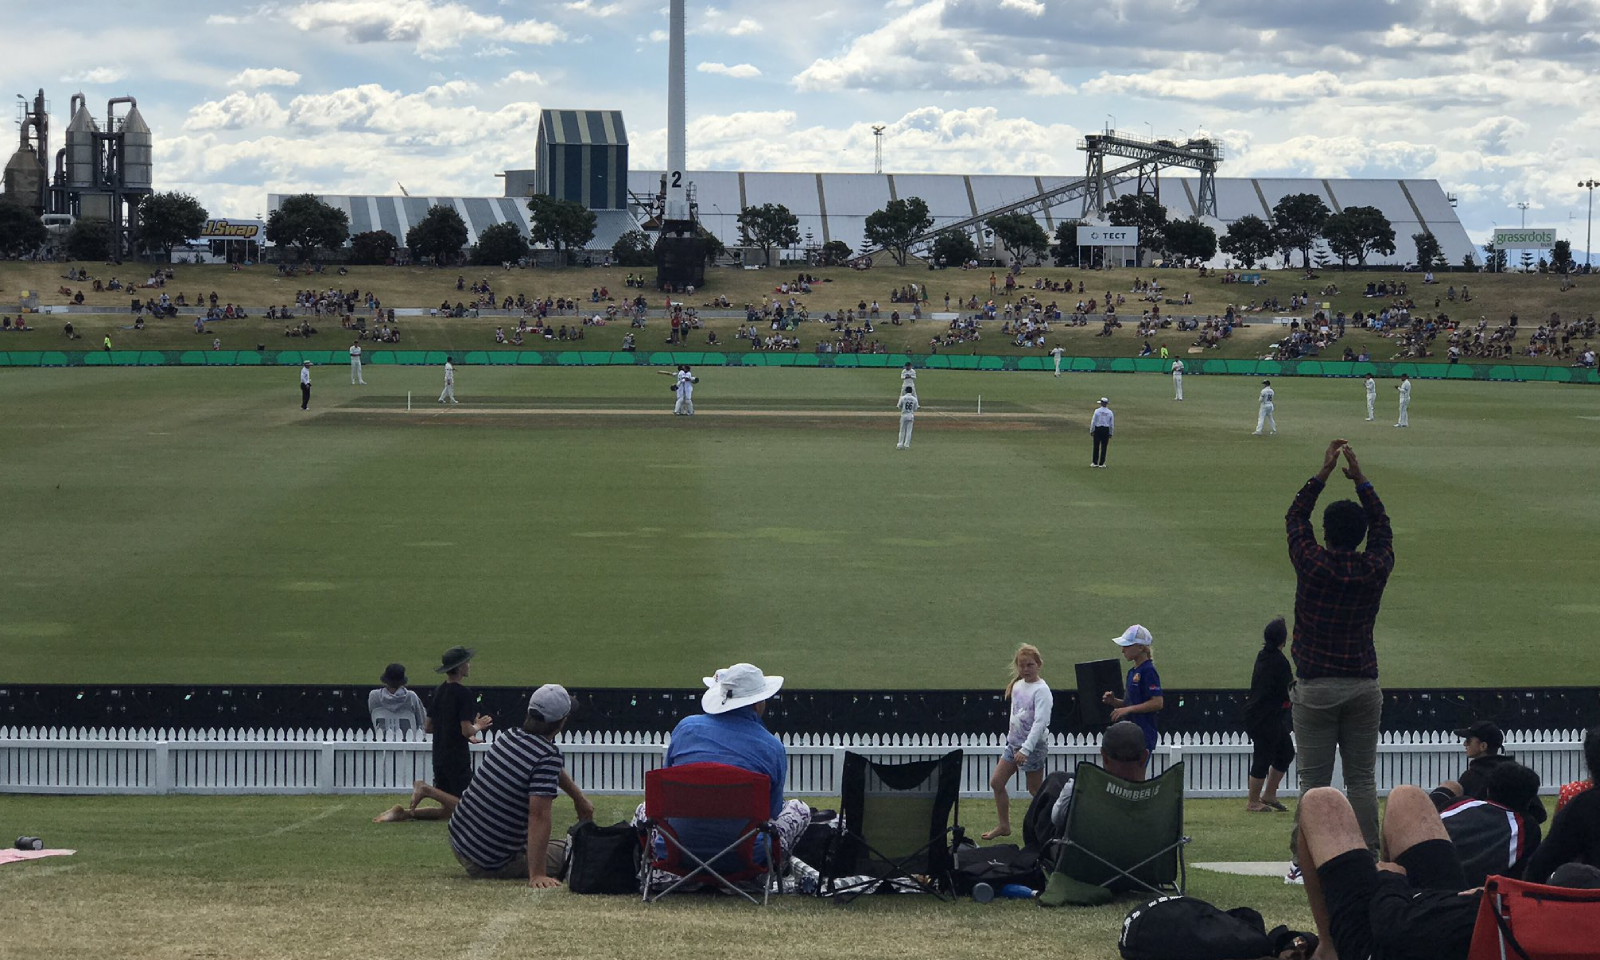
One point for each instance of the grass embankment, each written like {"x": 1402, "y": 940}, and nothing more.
{"x": 1532, "y": 297}
{"x": 310, "y": 877}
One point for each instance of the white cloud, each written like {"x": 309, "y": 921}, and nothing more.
{"x": 430, "y": 26}
{"x": 589, "y": 7}
{"x": 94, "y": 75}
{"x": 237, "y": 111}
{"x": 493, "y": 51}
{"x": 1033, "y": 8}
{"x": 265, "y": 77}
{"x": 742, "y": 71}
{"x": 744, "y": 28}
{"x": 519, "y": 76}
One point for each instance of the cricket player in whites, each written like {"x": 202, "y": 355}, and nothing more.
{"x": 908, "y": 414}
{"x": 355, "y": 364}
{"x": 1264, "y": 418}
{"x": 908, "y": 377}
{"x": 1055, "y": 354}
{"x": 1177, "y": 379}
{"x": 1372, "y": 395}
{"x": 449, "y": 382}
{"x": 1405, "y": 400}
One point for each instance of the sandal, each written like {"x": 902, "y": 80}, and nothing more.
{"x": 1276, "y": 805}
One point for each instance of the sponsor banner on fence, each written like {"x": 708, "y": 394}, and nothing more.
{"x": 1108, "y": 236}
{"x": 1525, "y": 238}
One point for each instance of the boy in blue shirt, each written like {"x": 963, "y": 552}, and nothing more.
{"x": 1143, "y": 700}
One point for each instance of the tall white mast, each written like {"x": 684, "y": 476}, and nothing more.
{"x": 677, "y": 177}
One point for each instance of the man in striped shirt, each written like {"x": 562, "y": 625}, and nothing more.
{"x": 501, "y": 828}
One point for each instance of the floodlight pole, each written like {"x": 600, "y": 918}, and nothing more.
{"x": 1588, "y": 240}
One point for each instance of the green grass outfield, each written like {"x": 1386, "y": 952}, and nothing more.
{"x": 193, "y": 525}
{"x": 310, "y": 877}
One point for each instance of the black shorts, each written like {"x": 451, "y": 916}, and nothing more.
{"x": 1377, "y": 915}
{"x": 453, "y": 778}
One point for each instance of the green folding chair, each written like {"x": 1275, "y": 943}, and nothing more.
{"x": 1120, "y": 836}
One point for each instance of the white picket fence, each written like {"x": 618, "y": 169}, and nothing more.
{"x": 121, "y": 761}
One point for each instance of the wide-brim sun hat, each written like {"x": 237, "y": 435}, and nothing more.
{"x": 454, "y": 659}
{"x": 1134, "y": 636}
{"x": 394, "y": 675}
{"x": 740, "y": 685}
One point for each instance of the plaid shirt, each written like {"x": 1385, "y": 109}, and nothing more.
{"x": 1337, "y": 592}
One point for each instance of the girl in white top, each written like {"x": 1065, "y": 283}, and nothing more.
{"x": 1028, "y": 738}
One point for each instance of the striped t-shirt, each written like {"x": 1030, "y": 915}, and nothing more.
{"x": 490, "y": 826}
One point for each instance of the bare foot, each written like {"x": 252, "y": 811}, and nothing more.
{"x": 1004, "y": 831}
{"x": 394, "y": 814}
{"x": 419, "y": 791}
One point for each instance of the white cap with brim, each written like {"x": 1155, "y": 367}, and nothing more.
{"x": 1105, "y": 401}
{"x": 551, "y": 701}
{"x": 737, "y": 686}
{"x": 1134, "y": 636}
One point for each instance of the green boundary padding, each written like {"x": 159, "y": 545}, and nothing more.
{"x": 601, "y": 358}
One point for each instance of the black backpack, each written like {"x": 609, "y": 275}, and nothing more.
{"x": 1037, "y": 827}
{"x": 603, "y": 859}
{"x": 996, "y": 865}
{"x": 1183, "y": 928}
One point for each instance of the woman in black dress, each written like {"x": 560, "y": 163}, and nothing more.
{"x": 1267, "y": 720}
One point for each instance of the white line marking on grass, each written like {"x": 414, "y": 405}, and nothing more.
{"x": 494, "y": 933}
{"x": 276, "y": 832}
{"x": 625, "y": 412}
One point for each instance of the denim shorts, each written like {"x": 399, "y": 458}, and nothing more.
{"x": 1035, "y": 759}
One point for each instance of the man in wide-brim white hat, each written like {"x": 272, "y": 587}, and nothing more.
{"x": 730, "y": 731}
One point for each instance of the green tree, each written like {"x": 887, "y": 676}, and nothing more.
{"x": 562, "y": 224}
{"x": 952, "y": 248}
{"x": 1145, "y": 212}
{"x": 1365, "y": 229}
{"x": 1561, "y": 256}
{"x": 1065, "y": 249}
{"x": 1190, "y": 239}
{"x": 21, "y": 230}
{"x": 896, "y": 225}
{"x": 835, "y": 253}
{"x": 767, "y": 226}
{"x": 1495, "y": 259}
{"x": 305, "y": 222}
{"x": 1299, "y": 218}
{"x": 715, "y": 248}
{"x": 1429, "y": 253}
{"x": 1340, "y": 233}
{"x": 633, "y": 249}
{"x": 89, "y": 239}
{"x": 373, "y": 247}
{"x": 438, "y": 236}
{"x": 1249, "y": 240}
{"x": 1020, "y": 234}
{"x": 501, "y": 243}
{"x": 168, "y": 219}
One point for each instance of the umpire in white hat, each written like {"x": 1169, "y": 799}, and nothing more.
{"x": 1101, "y": 426}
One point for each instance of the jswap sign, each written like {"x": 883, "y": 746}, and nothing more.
{"x": 231, "y": 230}
{"x": 1506, "y": 238}
{"x": 1108, "y": 236}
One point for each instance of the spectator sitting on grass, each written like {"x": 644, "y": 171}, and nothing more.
{"x": 1493, "y": 836}
{"x": 1575, "y": 832}
{"x": 506, "y": 813}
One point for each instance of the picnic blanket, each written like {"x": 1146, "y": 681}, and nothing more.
{"x": 17, "y": 856}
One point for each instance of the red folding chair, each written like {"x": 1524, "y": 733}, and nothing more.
{"x": 1529, "y": 921}
{"x": 704, "y": 825}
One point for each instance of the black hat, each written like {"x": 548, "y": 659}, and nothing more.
{"x": 1485, "y": 731}
{"x": 454, "y": 659}
{"x": 394, "y": 675}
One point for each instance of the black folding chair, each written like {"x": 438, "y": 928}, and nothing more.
{"x": 898, "y": 824}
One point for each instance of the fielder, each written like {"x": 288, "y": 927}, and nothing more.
{"x": 682, "y": 390}
{"x": 1177, "y": 379}
{"x": 1055, "y": 354}
{"x": 1372, "y": 394}
{"x": 1405, "y": 400}
{"x": 449, "y": 382}
{"x": 908, "y": 413}
{"x": 305, "y": 384}
{"x": 1264, "y": 418}
{"x": 908, "y": 377}
{"x": 355, "y": 365}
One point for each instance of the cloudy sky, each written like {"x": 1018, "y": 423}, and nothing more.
{"x": 1494, "y": 98}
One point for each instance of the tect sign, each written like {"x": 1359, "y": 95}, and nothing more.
{"x": 1523, "y": 238}
{"x": 231, "y": 230}
{"x": 1108, "y": 236}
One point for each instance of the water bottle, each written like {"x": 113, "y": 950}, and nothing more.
{"x": 29, "y": 843}
{"x": 982, "y": 892}
{"x": 1017, "y": 891}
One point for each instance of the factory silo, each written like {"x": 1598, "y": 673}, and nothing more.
{"x": 136, "y": 152}
{"x": 81, "y": 150}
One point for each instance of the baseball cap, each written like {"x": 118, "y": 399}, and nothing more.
{"x": 1485, "y": 731}
{"x": 551, "y": 701}
{"x": 1123, "y": 741}
{"x": 1133, "y": 637}
{"x": 1104, "y": 401}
